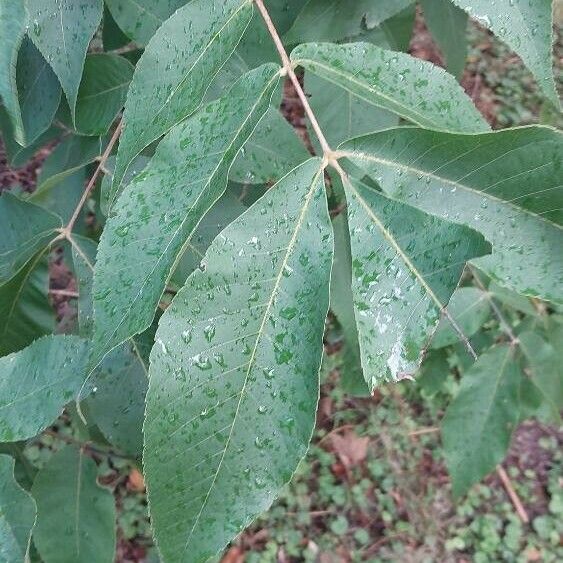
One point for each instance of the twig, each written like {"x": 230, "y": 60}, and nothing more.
{"x": 523, "y": 515}
{"x": 422, "y": 431}
{"x": 64, "y": 293}
{"x": 293, "y": 77}
{"x": 87, "y": 446}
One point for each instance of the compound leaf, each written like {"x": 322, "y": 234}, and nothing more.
{"x": 156, "y": 215}
{"x": 37, "y": 382}
{"x": 233, "y": 384}
{"x": 526, "y": 27}
{"x": 75, "y": 517}
{"x": 478, "y": 424}
{"x": 406, "y": 265}
{"x": 186, "y": 53}
{"x": 17, "y": 514}
{"x": 413, "y": 89}
{"x": 505, "y": 184}
{"x": 62, "y": 31}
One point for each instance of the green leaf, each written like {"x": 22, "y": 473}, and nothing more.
{"x": 416, "y": 90}
{"x": 470, "y": 308}
{"x": 406, "y": 265}
{"x": 448, "y": 25}
{"x": 12, "y": 31}
{"x": 331, "y": 20}
{"x": 74, "y": 153}
{"x": 25, "y": 311}
{"x": 271, "y": 152}
{"x": 544, "y": 371}
{"x": 102, "y": 92}
{"x": 17, "y": 514}
{"x": 39, "y": 91}
{"x": 157, "y": 213}
{"x": 37, "y": 382}
{"x": 233, "y": 382}
{"x": 112, "y": 36}
{"x": 342, "y": 115}
{"x": 505, "y": 184}
{"x": 342, "y": 304}
{"x": 75, "y": 517}
{"x": 185, "y": 57}
{"x": 478, "y": 424}
{"x": 26, "y": 229}
{"x": 434, "y": 372}
{"x": 84, "y": 258}
{"x": 62, "y": 30}
{"x": 140, "y": 19}
{"x": 526, "y": 27}
{"x": 117, "y": 405}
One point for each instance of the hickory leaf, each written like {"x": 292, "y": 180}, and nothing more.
{"x": 505, "y": 184}
{"x": 526, "y": 27}
{"x": 17, "y": 514}
{"x": 158, "y": 212}
{"x": 186, "y": 53}
{"x": 62, "y": 31}
{"x": 413, "y": 89}
{"x": 37, "y": 382}
{"x": 233, "y": 381}
{"x": 405, "y": 266}
{"x": 72, "y": 506}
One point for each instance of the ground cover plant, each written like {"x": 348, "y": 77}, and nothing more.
{"x": 216, "y": 249}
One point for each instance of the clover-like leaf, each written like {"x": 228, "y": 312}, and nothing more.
{"x": 504, "y": 184}
{"x": 233, "y": 384}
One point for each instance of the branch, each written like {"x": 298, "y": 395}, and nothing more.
{"x": 293, "y": 77}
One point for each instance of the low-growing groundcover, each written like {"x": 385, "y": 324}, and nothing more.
{"x": 215, "y": 259}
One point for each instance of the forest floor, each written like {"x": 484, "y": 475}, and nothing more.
{"x": 373, "y": 486}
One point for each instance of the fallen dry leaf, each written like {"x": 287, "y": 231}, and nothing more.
{"x": 350, "y": 448}
{"x": 136, "y": 481}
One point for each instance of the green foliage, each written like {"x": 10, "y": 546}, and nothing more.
{"x": 437, "y": 241}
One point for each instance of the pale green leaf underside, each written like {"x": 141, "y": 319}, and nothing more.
{"x": 175, "y": 71}
{"x": 12, "y": 31}
{"x": 62, "y": 30}
{"x": 526, "y": 27}
{"x": 234, "y": 371}
{"x": 156, "y": 215}
{"x": 17, "y": 514}
{"x": 26, "y": 229}
{"x": 413, "y": 89}
{"x": 505, "y": 184}
{"x": 405, "y": 266}
{"x": 37, "y": 382}
{"x": 478, "y": 424}
{"x": 332, "y": 20}
{"x": 140, "y": 19}
{"x": 75, "y": 517}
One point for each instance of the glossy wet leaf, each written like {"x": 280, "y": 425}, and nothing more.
{"x": 17, "y": 514}
{"x": 12, "y": 31}
{"x": 75, "y": 517}
{"x": 39, "y": 91}
{"x": 405, "y": 267}
{"x": 448, "y": 25}
{"x": 62, "y": 31}
{"x": 234, "y": 371}
{"x": 186, "y": 53}
{"x": 413, "y": 89}
{"x": 331, "y": 20}
{"x": 102, "y": 92}
{"x": 25, "y": 311}
{"x": 84, "y": 258}
{"x": 505, "y": 184}
{"x": 271, "y": 152}
{"x": 26, "y": 229}
{"x": 37, "y": 382}
{"x": 470, "y": 308}
{"x": 543, "y": 370}
{"x": 118, "y": 404}
{"x": 156, "y": 215}
{"x": 526, "y": 27}
{"x": 478, "y": 424}
{"x": 140, "y": 19}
